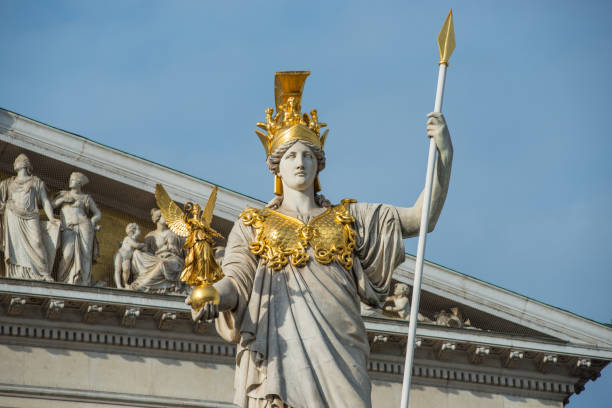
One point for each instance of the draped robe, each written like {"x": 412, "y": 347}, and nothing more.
{"x": 301, "y": 340}
{"x": 26, "y": 254}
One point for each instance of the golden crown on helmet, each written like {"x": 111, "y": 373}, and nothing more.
{"x": 288, "y": 123}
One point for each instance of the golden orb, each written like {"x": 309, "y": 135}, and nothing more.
{"x": 202, "y": 295}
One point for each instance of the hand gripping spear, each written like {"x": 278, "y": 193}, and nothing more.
{"x": 446, "y": 44}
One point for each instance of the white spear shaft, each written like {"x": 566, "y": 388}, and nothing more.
{"x": 446, "y": 48}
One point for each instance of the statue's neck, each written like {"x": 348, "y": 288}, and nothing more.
{"x": 301, "y": 202}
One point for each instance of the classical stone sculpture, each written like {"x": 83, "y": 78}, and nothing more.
{"x": 123, "y": 257}
{"x": 452, "y": 318}
{"x": 28, "y": 244}
{"x": 157, "y": 268}
{"x": 79, "y": 247}
{"x": 399, "y": 303}
{"x": 295, "y": 271}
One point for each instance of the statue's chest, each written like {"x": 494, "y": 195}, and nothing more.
{"x": 280, "y": 239}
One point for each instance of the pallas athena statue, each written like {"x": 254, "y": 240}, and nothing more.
{"x": 297, "y": 270}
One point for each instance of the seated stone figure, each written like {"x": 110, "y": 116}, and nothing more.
{"x": 157, "y": 268}
{"x": 123, "y": 256}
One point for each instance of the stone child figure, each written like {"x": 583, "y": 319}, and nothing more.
{"x": 297, "y": 270}
{"x": 27, "y": 254}
{"x": 399, "y": 303}
{"x": 123, "y": 257}
{"x": 79, "y": 247}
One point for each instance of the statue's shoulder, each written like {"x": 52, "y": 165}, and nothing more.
{"x": 7, "y": 181}
{"x": 253, "y": 216}
{"x": 342, "y": 213}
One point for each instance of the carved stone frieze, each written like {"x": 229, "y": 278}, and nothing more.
{"x": 91, "y": 312}
{"x": 452, "y": 318}
{"x": 165, "y": 320}
{"x": 546, "y": 361}
{"x": 478, "y": 353}
{"x": 511, "y": 357}
{"x": 444, "y": 349}
{"x": 53, "y": 308}
{"x": 129, "y": 316}
{"x": 15, "y": 305}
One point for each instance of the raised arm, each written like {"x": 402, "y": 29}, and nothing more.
{"x": 410, "y": 218}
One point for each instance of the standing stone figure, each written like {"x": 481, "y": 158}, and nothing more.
{"x": 157, "y": 268}
{"x": 79, "y": 248}
{"x": 27, "y": 243}
{"x": 297, "y": 270}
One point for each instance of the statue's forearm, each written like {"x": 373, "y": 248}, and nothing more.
{"x": 441, "y": 181}
{"x": 410, "y": 218}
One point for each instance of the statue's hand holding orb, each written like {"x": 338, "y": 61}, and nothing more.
{"x": 204, "y": 302}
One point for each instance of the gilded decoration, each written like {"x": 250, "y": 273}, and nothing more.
{"x": 281, "y": 239}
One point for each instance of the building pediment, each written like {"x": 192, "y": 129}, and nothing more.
{"x": 470, "y": 332}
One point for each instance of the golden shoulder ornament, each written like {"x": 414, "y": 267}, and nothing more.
{"x": 280, "y": 239}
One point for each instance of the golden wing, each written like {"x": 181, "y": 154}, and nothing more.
{"x": 172, "y": 213}
{"x": 207, "y": 216}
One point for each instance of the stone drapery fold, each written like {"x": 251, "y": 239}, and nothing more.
{"x": 299, "y": 331}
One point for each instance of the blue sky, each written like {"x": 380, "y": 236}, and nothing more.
{"x": 527, "y": 96}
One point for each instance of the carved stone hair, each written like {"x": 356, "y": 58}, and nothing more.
{"x": 131, "y": 227}
{"x": 273, "y": 162}
{"x": 80, "y": 177}
{"x": 22, "y": 161}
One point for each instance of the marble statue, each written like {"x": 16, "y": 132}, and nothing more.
{"x": 452, "y": 318}
{"x": 297, "y": 270}
{"x": 79, "y": 246}
{"x": 398, "y": 303}
{"x": 156, "y": 269}
{"x": 28, "y": 244}
{"x": 123, "y": 257}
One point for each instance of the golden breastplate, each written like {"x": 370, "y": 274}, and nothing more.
{"x": 280, "y": 238}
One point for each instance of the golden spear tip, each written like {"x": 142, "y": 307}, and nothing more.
{"x": 446, "y": 39}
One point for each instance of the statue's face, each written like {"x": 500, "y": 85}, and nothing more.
{"x": 21, "y": 164}
{"x": 73, "y": 182}
{"x": 298, "y": 167}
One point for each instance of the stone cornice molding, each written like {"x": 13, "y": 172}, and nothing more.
{"x": 123, "y": 300}
{"x": 100, "y": 397}
{"x": 51, "y": 315}
{"x": 506, "y": 304}
{"x": 426, "y": 372}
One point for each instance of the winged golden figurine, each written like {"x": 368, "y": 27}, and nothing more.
{"x": 201, "y": 268}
